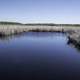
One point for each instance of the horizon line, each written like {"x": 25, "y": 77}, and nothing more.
{"x": 37, "y": 22}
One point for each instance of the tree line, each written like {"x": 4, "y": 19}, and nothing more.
{"x": 36, "y": 24}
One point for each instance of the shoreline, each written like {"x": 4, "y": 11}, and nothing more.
{"x": 72, "y": 32}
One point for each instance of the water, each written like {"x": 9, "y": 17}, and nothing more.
{"x": 38, "y": 56}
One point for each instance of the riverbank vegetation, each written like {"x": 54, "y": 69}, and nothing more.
{"x": 10, "y": 28}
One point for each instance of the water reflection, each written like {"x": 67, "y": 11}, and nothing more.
{"x": 38, "y": 35}
{"x": 8, "y": 38}
{"x": 38, "y": 56}
{"x": 31, "y": 34}
{"x": 69, "y": 42}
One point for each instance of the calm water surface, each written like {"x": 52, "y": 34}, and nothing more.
{"x": 38, "y": 56}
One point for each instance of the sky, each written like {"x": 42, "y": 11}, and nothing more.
{"x": 40, "y": 11}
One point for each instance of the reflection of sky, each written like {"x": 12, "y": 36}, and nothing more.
{"x": 57, "y": 11}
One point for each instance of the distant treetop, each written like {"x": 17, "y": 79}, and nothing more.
{"x": 12, "y": 23}
{"x": 36, "y": 24}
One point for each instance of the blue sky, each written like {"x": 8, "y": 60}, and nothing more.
{"x": 43, "y": 11}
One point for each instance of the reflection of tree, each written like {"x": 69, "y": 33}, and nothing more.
{"x": 73, "y": 44}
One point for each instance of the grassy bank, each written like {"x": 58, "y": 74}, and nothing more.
{"x": 10, "y": 28}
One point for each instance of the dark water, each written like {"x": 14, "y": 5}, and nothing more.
{"x": 38, "y": 56}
